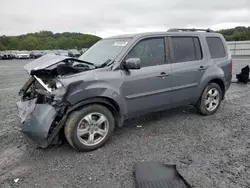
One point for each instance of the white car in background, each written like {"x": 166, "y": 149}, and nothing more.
{"x": 63, "y": 53}
{"x": 22, "y": 55}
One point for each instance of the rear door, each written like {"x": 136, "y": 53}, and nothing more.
{"x": 188, "y": 67}
{"x": 149, "y": 88}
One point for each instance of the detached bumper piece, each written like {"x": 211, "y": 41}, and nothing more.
{"x": 155, "y": 175}
{"x": 36, "y": 120}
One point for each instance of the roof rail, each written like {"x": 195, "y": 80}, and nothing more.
{"x": 187, "y": 29}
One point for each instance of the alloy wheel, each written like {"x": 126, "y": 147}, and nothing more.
{"x": 92, "y": 129}
{"x": 212, "y": 99}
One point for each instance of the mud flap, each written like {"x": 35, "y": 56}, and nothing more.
{"x": 155, "y": 175}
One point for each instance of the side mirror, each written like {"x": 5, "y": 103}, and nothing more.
{"x": 133, "y": 63}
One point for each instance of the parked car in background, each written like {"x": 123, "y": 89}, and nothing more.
{"x": 74, "y": 53}
{"x": 49, "y": 52}
{"x": 6, "y": 55}
{"x": 13, "y": 53}
{"x": 55, "y": 52}
{"x": 83, "y": 50}
{"x": 22, "y": 55}
{"x": 63, "y": 53}
{"x": 36, "y": 54}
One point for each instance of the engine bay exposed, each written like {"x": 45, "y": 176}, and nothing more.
{"x": 44, "y": 81}
{"x": 33, "y": 89}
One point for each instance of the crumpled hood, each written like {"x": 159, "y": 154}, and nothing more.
{"x": 46, "y": 61}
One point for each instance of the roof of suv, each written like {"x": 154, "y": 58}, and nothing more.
{"x": 139, "y": 35}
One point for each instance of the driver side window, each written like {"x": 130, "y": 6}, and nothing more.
{"x": 150, "y": 51}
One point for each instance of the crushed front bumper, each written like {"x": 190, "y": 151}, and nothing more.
{"x": 36, "y": 120}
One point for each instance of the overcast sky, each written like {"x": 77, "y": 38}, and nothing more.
{"x": 111, "y": 17}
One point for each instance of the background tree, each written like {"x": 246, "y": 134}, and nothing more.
{"x": 236, "y": 34}
{"x": 46, "y": 40}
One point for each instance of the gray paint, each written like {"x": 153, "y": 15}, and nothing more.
{"x": 38, "y": 121}
{"x": 43, "y": 62}
{"x": 142, "y": 90}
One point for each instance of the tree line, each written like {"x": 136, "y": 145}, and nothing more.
{"x": 236, "y": 34}
{"x": 47, "y": 40}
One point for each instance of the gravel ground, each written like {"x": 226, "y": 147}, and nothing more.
{"x": 210, "y": 151}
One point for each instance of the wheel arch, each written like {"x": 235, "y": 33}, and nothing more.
{"x": 213, "y": 79}
{"x": 111, "y": 104}
{"x": 221, "y": 83}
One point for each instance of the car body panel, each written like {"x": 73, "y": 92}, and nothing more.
{"x": 96, "y": 83}
{"x": 37, "y": 121}
{"x": 43, "y": 62}
{"x": 145, "y": 90}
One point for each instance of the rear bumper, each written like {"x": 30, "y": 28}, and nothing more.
{"x": 228, "y": 83}
{"x": 36, "y": 120}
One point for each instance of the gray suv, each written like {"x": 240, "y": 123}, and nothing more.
{"x": 121, "y": 77}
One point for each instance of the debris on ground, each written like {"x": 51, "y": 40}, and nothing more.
{"x": 154, "y": 174}
{"x": 243, "y": 76}
{"x": 16, "y": 180}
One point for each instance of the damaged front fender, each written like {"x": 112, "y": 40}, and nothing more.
{"x": 36, "y": 120}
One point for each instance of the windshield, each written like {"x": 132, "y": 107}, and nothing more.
{"x": 103, "y": 50}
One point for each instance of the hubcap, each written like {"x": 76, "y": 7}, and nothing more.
{"x": 92, "y": 129}
{"x": 212, "y": 99}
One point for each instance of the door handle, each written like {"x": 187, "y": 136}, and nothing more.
{"x": 201, "y": 68}
{"x": 163, "y": 74}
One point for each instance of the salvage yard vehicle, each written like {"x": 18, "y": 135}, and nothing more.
{"x": 121, "y": 77}
{"x": 36, "y": 54}
{"x": 22, "y": 55}
{"x": 6, "y": 55}
{"x": 74, "y": 53}
{"x": 63, "y": 53}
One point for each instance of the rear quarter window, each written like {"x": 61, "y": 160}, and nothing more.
{"x": 216, "y": 47}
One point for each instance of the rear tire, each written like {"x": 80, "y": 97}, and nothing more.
{"x": 89, "y": 128}
{"x": 210, "y": 99}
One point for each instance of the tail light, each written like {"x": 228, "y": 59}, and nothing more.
{"x": 231, "y": 66}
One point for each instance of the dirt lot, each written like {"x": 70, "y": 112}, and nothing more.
{"x": 209, "y": 151}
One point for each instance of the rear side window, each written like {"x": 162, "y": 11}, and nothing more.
{"x": 216, "y": 47}
{"x": 186, "y": 49}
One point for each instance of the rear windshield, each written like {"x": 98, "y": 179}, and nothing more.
{"x": 216, "y": 47}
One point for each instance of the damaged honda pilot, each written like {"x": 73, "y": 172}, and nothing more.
{"x": 118, "y": 78}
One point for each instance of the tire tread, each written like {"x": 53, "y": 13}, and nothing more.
{"x": 200, "y": 107}
{"x": 75, "y": 117}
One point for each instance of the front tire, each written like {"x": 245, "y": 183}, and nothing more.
{"x": 89, "y": 128}
{"x": 210, "y": 99}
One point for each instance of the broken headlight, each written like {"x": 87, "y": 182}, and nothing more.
{"x": 59, "y": 89}
{"x": 58, "y": 84}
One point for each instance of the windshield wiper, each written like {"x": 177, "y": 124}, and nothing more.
{"x": 106, "y": 63}
{"x": 82, "y": 61}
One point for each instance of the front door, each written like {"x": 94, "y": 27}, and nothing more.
{"x": 149, "y": 88}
